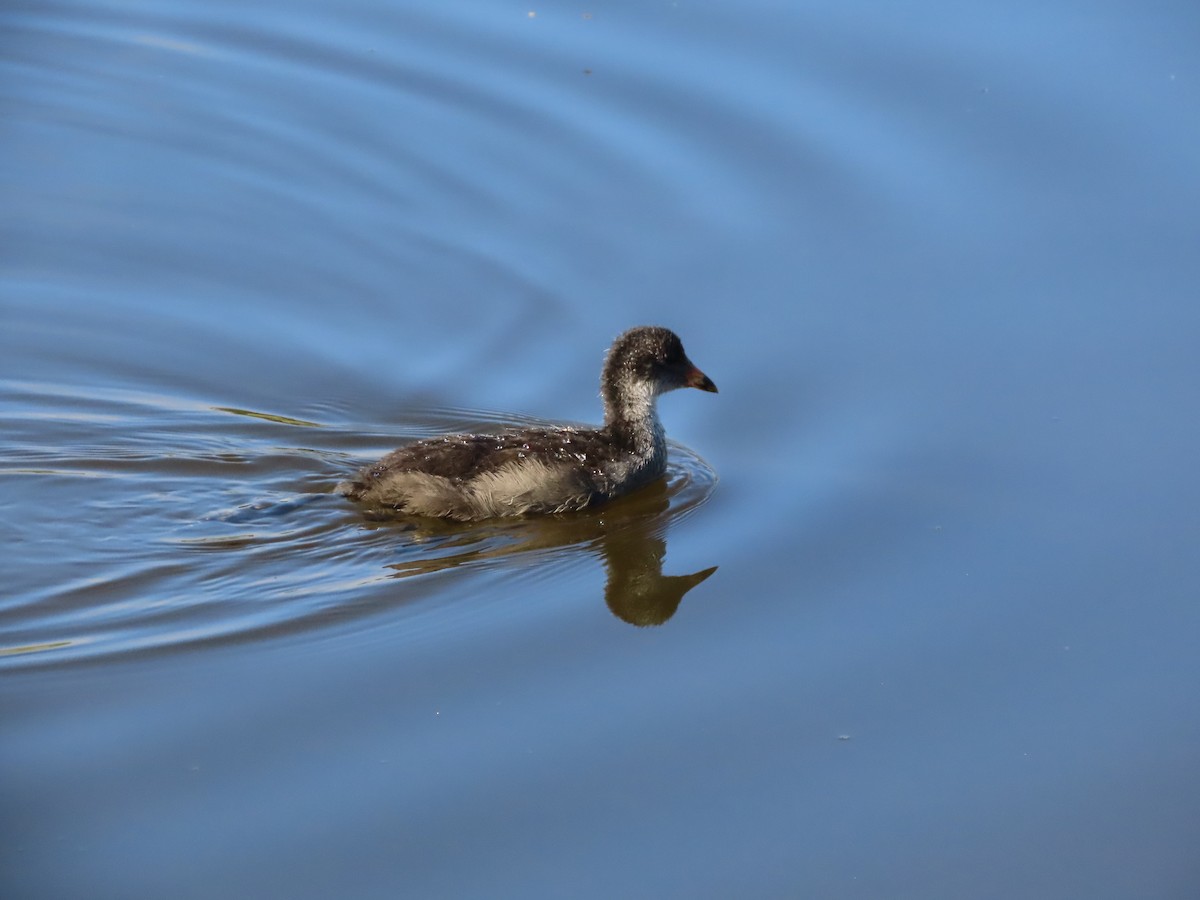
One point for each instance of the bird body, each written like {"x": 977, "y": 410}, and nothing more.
{"x": 544, "y": 469}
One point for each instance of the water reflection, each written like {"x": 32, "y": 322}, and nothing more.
{"x": 637, "y": 591}
{"x": 629, "y": 535}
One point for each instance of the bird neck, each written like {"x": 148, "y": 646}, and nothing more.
{"x": 631, "y": 417}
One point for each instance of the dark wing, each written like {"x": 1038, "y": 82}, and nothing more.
{"x": 461, "y": 456}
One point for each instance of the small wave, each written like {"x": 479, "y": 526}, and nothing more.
{"x": 223, "y": 528}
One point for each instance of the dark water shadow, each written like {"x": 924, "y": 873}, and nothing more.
{"x": 628, "y": 535}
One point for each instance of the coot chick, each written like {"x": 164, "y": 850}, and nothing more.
{"x": 544, "y": 470}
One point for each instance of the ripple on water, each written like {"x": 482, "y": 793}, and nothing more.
{"x": 262, "y": 169}
{"x": 212, "y": 525}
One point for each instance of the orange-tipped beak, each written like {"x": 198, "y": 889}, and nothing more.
{"x": 697, "y": 379}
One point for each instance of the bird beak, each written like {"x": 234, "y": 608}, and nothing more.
{"x": 697, "y": 379}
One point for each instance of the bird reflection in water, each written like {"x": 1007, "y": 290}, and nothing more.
{"x": 629, "y": 535}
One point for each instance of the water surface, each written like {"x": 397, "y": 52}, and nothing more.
{"x": 914, "y": 612}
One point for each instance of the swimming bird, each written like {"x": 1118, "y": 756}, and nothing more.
{"x": 544, "y": 469}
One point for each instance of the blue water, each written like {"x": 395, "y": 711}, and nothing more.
{"x": 914, "y": 613}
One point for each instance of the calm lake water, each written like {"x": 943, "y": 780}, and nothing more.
{"x": 942, "y": 261}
